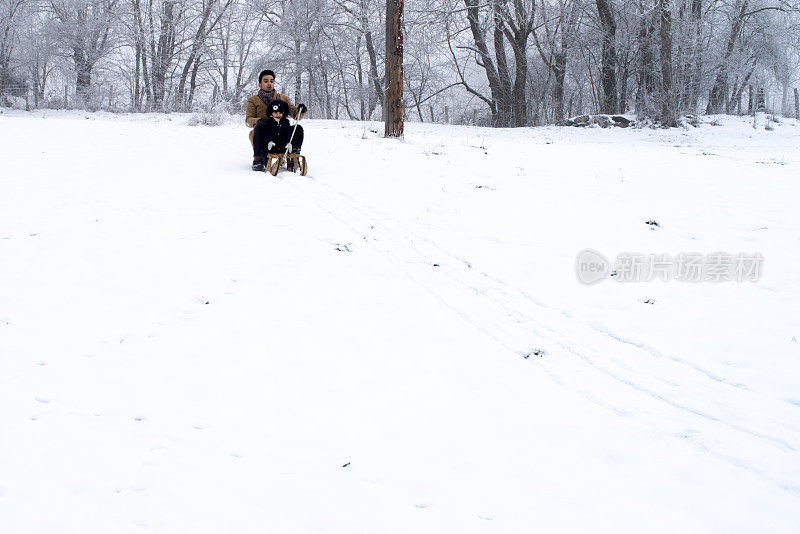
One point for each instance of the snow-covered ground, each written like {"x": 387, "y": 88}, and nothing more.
{"x": 397, "y": 342}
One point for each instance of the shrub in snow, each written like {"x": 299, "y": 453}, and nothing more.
{"x": 215, "y": 117}
{"x": 13, "y": 102}
{"x": 604, "y": 121}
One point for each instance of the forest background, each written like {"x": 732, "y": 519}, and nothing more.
{"x": 502, "y": 63}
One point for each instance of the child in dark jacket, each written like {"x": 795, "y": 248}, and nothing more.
{"x": 277, "y": 133}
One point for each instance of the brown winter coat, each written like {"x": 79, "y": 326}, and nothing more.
{"x": 257, "y": 109}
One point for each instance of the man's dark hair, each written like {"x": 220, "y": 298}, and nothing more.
{"x": 265, "y": 73}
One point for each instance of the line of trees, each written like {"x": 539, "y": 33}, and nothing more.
{"x": 500, "y": 62}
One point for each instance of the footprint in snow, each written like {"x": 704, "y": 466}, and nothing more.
{"x": 534, "y": 352}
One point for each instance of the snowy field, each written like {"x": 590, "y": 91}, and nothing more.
{"x": 397, "y": 342}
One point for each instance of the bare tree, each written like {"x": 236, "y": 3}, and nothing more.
{"x": 208, "y": 15}
{"x": 12, "y": 13}
{"x": 39, "y": 57}
{"x": 85, "y": 31}
{"x": 394, "y": 69}
{"x": 608, "y": 69}
{"x": 233, "y": 43}
{"x": 507, "y": 24}
{"x": 668, "y": 105}
{"x": 558, "y": 30}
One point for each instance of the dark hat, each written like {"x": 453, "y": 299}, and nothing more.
{"x": 278, "y": 105}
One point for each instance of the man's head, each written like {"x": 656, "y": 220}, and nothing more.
{"x": 266, "y": 80}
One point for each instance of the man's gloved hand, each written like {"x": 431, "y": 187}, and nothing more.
{"x": 302, "y": 108}
{"x": 270, "y": 144}
{"x": 289, "y": 147}
{"x": 261, "y": 122}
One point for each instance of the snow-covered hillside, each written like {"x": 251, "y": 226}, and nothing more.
{"x": 397, "y": 342}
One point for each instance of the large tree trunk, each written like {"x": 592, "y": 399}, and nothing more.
{"x": 3, "y": 79}
{"x": 192, "y": 83}
{"x": 162, "y": 53}
{"x": 373, "y": 72}
{"x": 560, "y": 63}
{"x": 298, "y": 73}
{"x": 736, "y": 99}
{"x": 520, "y": 105}
{"x": 394, "y": 69}
{"x": 313, "y": 90}
{"x": 668, "y": 112}
{"x": 492, "y": 75}
{"x": 796, "y": 104}
{"x": 362, "y": 108}
{"x": 694, "y": 61}
{"x": 83, "y": 72}
{"x": 137, "y": 77}
{"x": 328, "y": 110}
{"x": 504, "y": 96}
{"x": 608, "y": 68}
{"x": 785, "y": 100}
{"x": 517, "y": 28}
{"x": 646, "y": 83}
{"x": 226, "y": 44}
{"x": 622, "y": 105}
{"x": 141, "y": 46}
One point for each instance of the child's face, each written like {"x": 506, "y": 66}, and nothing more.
{"x": 277, "y": 115}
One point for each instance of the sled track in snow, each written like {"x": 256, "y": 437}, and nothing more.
{"x": 519, "y": 322}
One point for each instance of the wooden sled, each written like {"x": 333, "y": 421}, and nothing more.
{"x": 275, "y": 161}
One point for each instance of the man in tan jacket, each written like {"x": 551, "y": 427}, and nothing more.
{"x": 257, "y": 113}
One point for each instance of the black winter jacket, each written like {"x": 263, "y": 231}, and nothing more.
{"x": 278, "y": 133}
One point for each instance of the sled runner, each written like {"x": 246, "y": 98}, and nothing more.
{"x": 293, "y": 162}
